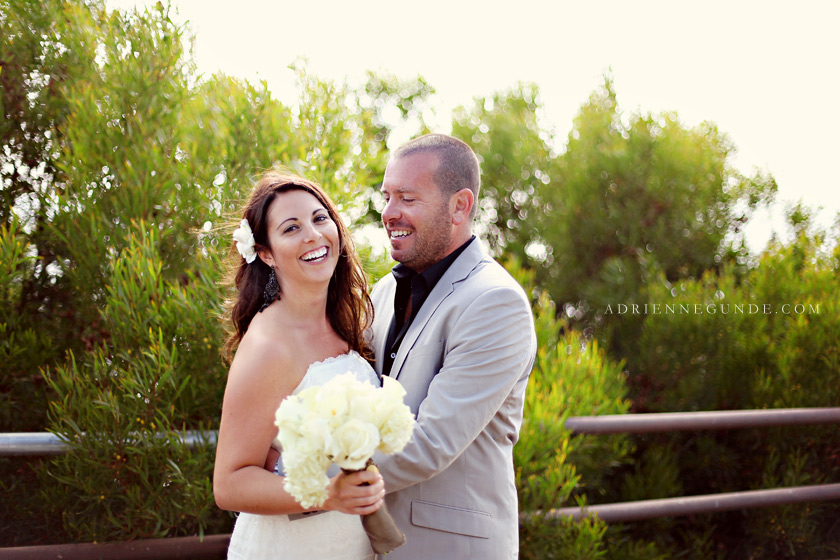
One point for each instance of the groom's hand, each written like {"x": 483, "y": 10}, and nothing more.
{"x": 358, "y": 493}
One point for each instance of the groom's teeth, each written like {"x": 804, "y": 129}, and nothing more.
{"x": 314, "y": 255}
{"x": 400, "y": 233}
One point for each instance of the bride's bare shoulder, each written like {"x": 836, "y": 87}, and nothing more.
{"x": 264, "y": 358}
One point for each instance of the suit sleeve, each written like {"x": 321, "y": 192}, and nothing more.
{"x": 489, "y": 349}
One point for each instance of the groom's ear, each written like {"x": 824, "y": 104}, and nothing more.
{"x": 461, "y": 204}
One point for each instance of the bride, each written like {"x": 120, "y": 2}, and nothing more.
{"x": 298, "y": 320}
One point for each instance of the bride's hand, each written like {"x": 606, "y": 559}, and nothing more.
{"x": 348, "y": 494}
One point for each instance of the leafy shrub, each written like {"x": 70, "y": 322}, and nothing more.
{"x": 21, "y": 389}
{"x": 555, "y": 468}
{"x": 761, "y": 339}
{"x": 120, "y": 170}
{"x": 123, "y": 407}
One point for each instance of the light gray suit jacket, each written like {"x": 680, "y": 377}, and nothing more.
{"x": 464, "y": 363}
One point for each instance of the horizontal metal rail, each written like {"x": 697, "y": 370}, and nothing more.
{"x": 718, "y": 420}
{"x": 45, "y": 443}
{"x": 215, "y": 546}
{"x": 208, "y": 547}
{"x": 696, "y": 421}
{"x": 690, "y": 505}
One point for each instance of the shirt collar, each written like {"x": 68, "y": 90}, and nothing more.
{"x": 435, "y": 272}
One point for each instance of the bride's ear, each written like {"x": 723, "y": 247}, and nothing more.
{"x": 265, "y": 256}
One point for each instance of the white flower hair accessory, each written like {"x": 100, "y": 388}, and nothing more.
{"x": 244, "y": 238}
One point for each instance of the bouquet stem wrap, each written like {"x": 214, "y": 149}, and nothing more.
{"x": 383, "y": 533}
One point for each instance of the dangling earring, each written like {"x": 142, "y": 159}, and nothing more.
{"x": 272, "y": 290}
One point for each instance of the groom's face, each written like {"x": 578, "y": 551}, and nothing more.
{"x": 417, "y": 216}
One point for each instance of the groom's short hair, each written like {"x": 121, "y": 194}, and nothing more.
{"x": 457, "y": 168}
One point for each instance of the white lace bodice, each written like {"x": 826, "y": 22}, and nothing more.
{"x": 319, "y": 373}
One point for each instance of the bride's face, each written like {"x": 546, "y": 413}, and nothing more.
{"x": 303, "y": 238}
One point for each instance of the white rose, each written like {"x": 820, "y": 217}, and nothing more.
{"x": 392, "y": 417}
{"x": 245, "y": 241}
{"x": 337, "y": 398}
{"x": 331, "y": 405}
{"x": 291, "y": 417}
{"x": 396, "y": 432}
{"x": 362, "y": 402}
{"x": 317, "y": 433}
{"x": 353, "y": 443}
{"x": 363, "y": 407}
{"x": 392, "y": 388}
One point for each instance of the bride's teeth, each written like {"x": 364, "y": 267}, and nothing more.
{"x": 314, "y": 255}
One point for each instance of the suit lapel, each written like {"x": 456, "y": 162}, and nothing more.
{"x": 383, "y": 314}
{"x": 457, "y": 272}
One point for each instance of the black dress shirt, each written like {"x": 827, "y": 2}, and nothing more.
{"x": 412, "y": 291}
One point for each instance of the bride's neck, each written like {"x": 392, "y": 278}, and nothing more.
{"x": 304, "y": 307}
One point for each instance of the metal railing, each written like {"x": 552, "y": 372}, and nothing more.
{"x": 711, "y": 503}
{"x": 208, "y": 547}
{"x": 696, "y": 421}
{"x": 215, "y": 546}
{"x": 24, "y": 444}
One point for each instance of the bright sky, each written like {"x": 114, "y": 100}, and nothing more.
{"x": 766, "y": 72}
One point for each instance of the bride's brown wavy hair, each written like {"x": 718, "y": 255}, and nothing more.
{"x": 349, "y": 308}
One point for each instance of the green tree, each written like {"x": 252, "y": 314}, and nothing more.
{"x": 412, "y": 101}
{"x": 126, "y": 198}
{"x": 555, "y": 468}
{"x": 635, "y": 196}
{"x": 630, "y": 196}
{"x": 516, "y": 164}
{"x": 33, "y": 65}
{"x": 761, "y": 339}
{"x": 123, "y": 407}
{"x": 17, "y": 338}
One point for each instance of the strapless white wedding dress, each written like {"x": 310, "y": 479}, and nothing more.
{"x": 327, "y": 535}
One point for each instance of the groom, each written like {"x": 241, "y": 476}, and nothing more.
{"x": 457, "y": 331}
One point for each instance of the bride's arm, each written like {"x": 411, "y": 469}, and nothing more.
{"x": 256, "y": 385}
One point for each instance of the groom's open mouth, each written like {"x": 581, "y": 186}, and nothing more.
{"x": 398, "y": 233}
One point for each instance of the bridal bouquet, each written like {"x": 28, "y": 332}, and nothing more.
{"x": 342, "y": 421}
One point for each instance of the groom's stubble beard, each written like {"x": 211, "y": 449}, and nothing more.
{"x": 432, "y": 238}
